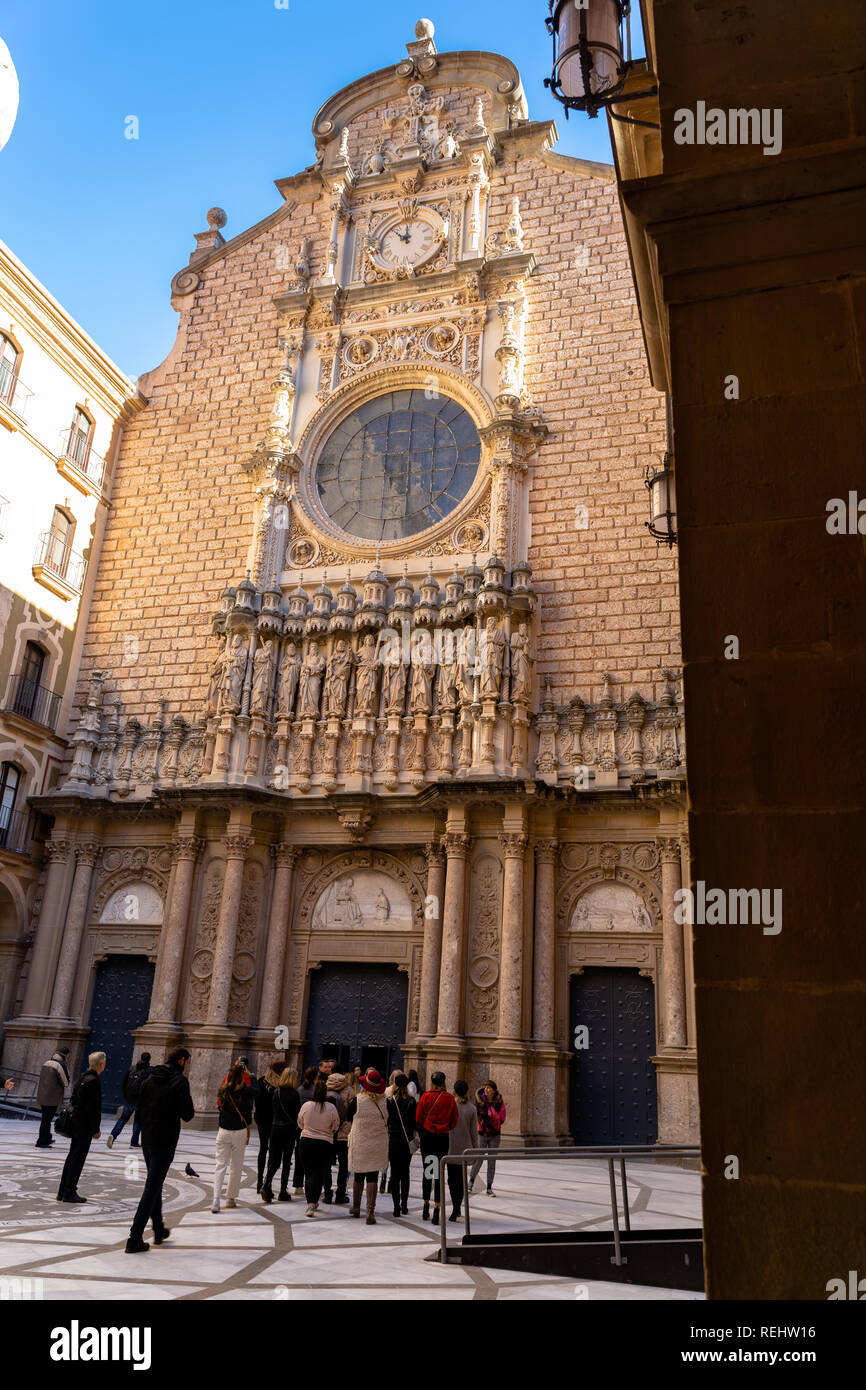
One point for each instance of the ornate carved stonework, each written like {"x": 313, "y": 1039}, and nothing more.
{"x": 486, "y": 915}
{"x": 201, "y": 965}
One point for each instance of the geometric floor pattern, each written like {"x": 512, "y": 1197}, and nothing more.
{"x": 275, "y": 1252}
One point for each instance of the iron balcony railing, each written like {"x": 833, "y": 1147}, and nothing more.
{"x": 16, "y": 831}
{"x": 61, "y": 560}
{"x": 32, "y": 701}
{"x": 13, "y": 391}
{"x": 76, "y": 447}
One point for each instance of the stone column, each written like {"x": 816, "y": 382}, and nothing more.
{"x": 511, "y": 981}
{"x": 237, "y": 845}
{"x": 51, "y": 918}
{"x": 431, "y": 959}
{"x": 688, "y": 942}
{"x": 285, "y": 858}
{"x": 163, "y": 1009}
{"x": 544, "y": 959}
{"x": 674, "y": 1005}
{"x": 76, "y": 917}
{"x": 457, "y": 848}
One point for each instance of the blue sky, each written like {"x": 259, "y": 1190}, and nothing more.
{"x": 225, "y": 92}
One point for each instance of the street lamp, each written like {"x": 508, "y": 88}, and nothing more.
{"x": 661, "y": 486}
{"x": 589, "y": 67}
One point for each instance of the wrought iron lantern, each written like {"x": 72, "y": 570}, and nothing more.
{"x": 661, "y": 486}
{"x": 591, "y": 55}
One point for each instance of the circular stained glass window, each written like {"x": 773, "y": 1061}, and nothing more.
{"x": 397, "y": 465}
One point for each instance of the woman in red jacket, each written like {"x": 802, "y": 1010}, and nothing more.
{"x": 435, "y": 1118}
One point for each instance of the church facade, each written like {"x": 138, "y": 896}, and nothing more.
{"x": 378, "y": 751}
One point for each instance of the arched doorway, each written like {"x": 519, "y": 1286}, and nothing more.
{"x": 612, "y": 1088}
{"x": 357, "y": 1015}
{"x": 121, "y": 1002}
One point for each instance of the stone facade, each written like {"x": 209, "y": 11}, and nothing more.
{"x": 456, "y": 747}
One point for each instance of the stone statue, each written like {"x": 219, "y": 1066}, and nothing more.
{"x": 447, "y": 685}
{"x": 521, "y": 677}
{"x": 216, "y": 676}
{"x": 337, "y": 681}
{"x": 367, "y": 679}
{"x": 383, "y": 907}
{"x": 311, "y": 683}
{"x": 494, "y": 656}
{"x": 466, "y": 667}
{"x": 347, "y": 909}
{"x": 264, "y": 668}
{"x": 421, "y": 694}
{"x": 289, "y": 673}
{"x": 395, "y": 686}
{"x": 233, "y": 675}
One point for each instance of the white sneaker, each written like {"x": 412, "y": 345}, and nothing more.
{"x": 298, "y": 1191}
{"x": 109, "y": 1143}
{"x": 215, "y": 1208}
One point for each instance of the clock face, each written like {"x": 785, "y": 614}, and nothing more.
{"x": 397, "y": 465}
{"x": 412, "y": 241}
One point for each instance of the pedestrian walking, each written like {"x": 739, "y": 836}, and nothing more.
{"x": 341, "y": 1093}
{"x": 368, "y": 1141}
{"x": 235, "y": 1102}
{"x": 86, "y": 1105}
{"x": 164, "y": 1100}
{"x": 132, "y": 1084}
{"x": 284, "y": 1132}
{"x": 318, "y": 1122}
{"x": 264, "y": 1113}
{"x": 463, "y": 1136}
{"x": 490, "y": 1108}
{"x": 53, "y": 1080}
{"x": 401, "y": 1134}
{"x": 305, "y": 1092}
{"x": 435, "y": 1117}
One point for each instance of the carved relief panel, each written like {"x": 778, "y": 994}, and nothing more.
{"x": 482, "y": 1006}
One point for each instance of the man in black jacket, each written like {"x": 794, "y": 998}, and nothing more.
{"x": 164, "y": 1101}
{"x": 86, "y": 1105}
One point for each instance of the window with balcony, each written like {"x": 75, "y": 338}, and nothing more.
{"x": 78, "y": 460}
{"x": 8, "y": 367}
{"x": 28, "y": 695}
{"x": 10, "y": 779}
{"x": 57, "y": 565}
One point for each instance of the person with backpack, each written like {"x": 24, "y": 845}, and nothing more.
{"x": 53, "y": 1080}
{"x": 463, "y": 1136}
{"x": 132, "y": 1084}
{"x": 435, "y": 1117}
{"x": 235, "y": 1104}
{"x": 491, "y": 1117}
{"x": 401, "y": 1132}
{"x": 284, "y": 1131}
{"x": 164, "y": 1101}
{"x": 85, "y": 1104}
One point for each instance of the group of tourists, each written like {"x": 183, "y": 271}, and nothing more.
{"x": 353, "y": 1121}
{"x": 357, "y": 1124}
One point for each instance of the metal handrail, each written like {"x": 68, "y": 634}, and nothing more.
{"x": 76, "y": 447}
{"x": 12, "y": 1099}
{"x": 15, "y": 394}
{"x": 32, "y": 701}
{"x": 610, "y": 1152}
{"x": 62, "y": 560}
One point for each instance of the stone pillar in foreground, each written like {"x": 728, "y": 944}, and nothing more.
{"x": 446, "y": 1050}
{"x": 279, "y": 929}
{"x": 432, "y": 954}
{"x": 163, "y": 1029}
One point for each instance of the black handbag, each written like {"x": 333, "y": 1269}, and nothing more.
{"x": 64, "y": 1123}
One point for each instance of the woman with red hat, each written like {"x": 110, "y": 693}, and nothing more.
{"x": 368, "y": 1141}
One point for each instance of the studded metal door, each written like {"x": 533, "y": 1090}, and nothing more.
{"x": 357, "y": 1015}
{"x": 121, "y": 1002}
{"x": 613, "y": 1083}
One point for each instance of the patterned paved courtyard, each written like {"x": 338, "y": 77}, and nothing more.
{"x": 259, "y": 1252}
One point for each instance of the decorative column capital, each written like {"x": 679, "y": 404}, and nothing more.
{"x": 545, "y": 851}
{"x": 457, "y": 846}
{"x": 58, "y": 850}
{"x": 237, "y": 846}
{"x": 286, "y": 856}
{"x": 669, "y": 849}
{"x": 513, "y": 844}
{"x": 88, "y": 852}
{"x": 434, "y": 853}
{"x": 186, "y": 847}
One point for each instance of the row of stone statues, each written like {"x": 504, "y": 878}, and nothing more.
{"x": 454, "y": 668}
